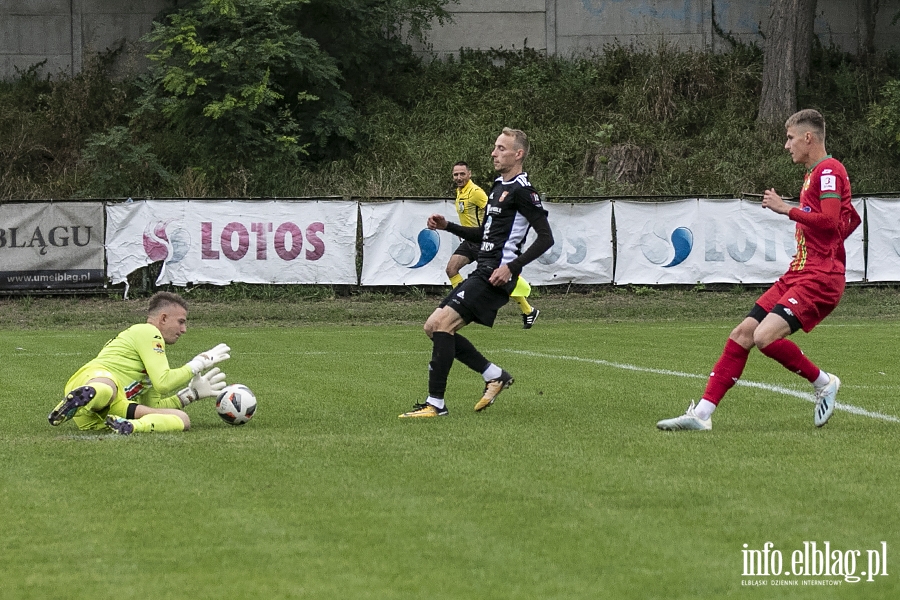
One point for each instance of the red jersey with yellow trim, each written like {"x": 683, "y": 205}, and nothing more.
{"x": 822, "y": 248}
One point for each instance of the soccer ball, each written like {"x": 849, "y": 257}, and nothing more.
{"x": 236, "y": 404}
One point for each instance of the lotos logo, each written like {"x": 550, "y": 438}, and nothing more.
{"x": 658, "y": 247}
{"x": 235, "y": 240}
{"x": 167, "y": 241}
{"x": 425, "y": 247}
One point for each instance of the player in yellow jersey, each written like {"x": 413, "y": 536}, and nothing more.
{"x": 130, "y": 387}
{"x": 470, "y": 203}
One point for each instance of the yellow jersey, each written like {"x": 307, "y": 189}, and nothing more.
{"x": 137, "y": 360}
{"x": 470, "y": 203}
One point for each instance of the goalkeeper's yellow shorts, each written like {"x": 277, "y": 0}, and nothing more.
{"x": 86, "y": 418}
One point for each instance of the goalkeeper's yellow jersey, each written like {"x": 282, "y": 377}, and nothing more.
{"x": 470, "y": 203}
{"x": 137, "y": 359}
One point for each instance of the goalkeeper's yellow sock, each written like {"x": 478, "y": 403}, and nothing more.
{"x": 456, "y": 280}
{"x": 103, "y": 396}
{"x": 158, "y": 422}
{"x": 523, "y": 304}
{"x": 156, "y": 401}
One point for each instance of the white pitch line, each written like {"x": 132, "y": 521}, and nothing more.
{"x": 755, "y": 384}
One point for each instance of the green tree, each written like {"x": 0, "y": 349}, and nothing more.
{"x": 368, "y": 39}
{"x": 251, "y": 81}
{"x": 235, "y": 78}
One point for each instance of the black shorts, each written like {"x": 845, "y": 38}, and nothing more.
{"x": 469, "y": 250}
{"x": 759, "y": 313}
{"x": 475, "y": 299}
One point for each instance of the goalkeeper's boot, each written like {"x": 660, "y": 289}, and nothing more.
{"x": 689, "y": 421}
{"x": 424, "y": 410}
{"x": 826, "y": 399}
{"x": 120, "y": 425}
{"x": 492, "y": 389}
{"x": 74, "y": 400}
{"x": 529, "y": 319}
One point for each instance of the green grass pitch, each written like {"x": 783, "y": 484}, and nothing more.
{"x": 562, "y": 489}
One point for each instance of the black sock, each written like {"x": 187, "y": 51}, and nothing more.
{"x": 468, "y": 355}
{"x": 442, "y": 354}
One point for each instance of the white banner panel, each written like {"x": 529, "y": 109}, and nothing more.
{"x": 701, "y": 241}
{"x": 220, "y": 241}
{"x": 855, "y": 246}
{"x": 883, "y": 216}
{"x": 53, "y": 245}
{"x": 398, "y": 249}
{"x": 582, "y": 250}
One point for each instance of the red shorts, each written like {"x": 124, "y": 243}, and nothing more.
{"x": 809, "y": 296}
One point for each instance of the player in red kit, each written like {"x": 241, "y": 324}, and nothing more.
{"x": 806, "y": 294}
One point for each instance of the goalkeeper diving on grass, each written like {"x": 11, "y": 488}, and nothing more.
{"x": 129, "y": 387}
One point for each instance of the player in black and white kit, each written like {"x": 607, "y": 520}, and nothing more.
{"x": 513, "y": 208}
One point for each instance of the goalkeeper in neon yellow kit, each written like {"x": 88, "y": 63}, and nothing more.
{"x": 130, "y": 387}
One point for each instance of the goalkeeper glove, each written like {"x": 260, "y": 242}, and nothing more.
{"x": 203, "y": 386}
{"x": 209, "y": 358}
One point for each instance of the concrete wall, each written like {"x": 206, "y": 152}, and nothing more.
{"x": 568, "y": 27}
{"x": 65, "y": 32}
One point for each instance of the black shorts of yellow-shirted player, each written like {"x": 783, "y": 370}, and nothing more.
{"x": 129, "y": 387}
{"x": 512, "y": 204}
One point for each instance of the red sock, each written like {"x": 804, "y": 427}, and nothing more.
{"x": 726, "y": 372}
{"x": 792, "y": 358}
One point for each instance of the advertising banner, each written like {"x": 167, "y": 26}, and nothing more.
{"x": 57, "y": 245}
{"x": 220, "y": 241}
{"x": 710, "y": 241}
{"x": 883, "y": 215}
{"x": 398, "y": 249}
{"x": 701, "y": 241}
{"x": 582, "y": 249}
{"x": 855, "y": 246}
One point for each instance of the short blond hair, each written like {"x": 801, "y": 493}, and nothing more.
{"x": 810, "y": 119}
{"x": 521, "y": 140}
{"x": 162, "y": 300}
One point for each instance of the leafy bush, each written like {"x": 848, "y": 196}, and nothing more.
{"x": 241, "y": 82}
{"x": 121, "y": 167}
{"x": 44, "y": 123}
{"x": 884, "y": 116}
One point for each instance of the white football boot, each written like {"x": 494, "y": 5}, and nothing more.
{"x": 686, "y": 422}
{"x": 826, "y": 399}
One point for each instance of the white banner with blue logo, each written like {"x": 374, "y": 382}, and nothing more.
{"x": 709, "y": 241}
{"x": 883, "y": 215}
{"x": 398, "y": 249}
{"x": 701, "y": 241}
{"x": 582, "y": 249}
{"x": 655, "y": 242}
{"x": 220, "y": 241}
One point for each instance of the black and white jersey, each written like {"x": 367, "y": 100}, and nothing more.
{"x": 512, "y": 207}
